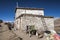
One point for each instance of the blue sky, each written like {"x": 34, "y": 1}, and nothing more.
{"x": 7, "y": 7}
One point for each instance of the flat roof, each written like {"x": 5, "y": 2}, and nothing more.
{"x": 28, "y": 8}
{"x": 34, "y": 16}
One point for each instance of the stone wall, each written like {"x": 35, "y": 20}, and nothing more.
{"x": 17, "y": 23}
{"x": 25, "y": 11}
{"x": 32, "y": 20}
{"x": 28, "y": 20}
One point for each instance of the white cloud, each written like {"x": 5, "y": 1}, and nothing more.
{"x": 8, "y": 21}
{"x": 56, "y": 18}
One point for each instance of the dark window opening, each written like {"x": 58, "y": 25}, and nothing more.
{"x": 0, "y": 26}
{"x": 20, "y": 38}
{"x": 31, "y": 29}
{"x": 10, "y": 28}
{"x": 33, "y": 32}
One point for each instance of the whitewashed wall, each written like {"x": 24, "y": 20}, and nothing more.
{"x": 37, "y": 22}
{"x": 50, "y": 23}
{"x": 32, "y": 20}
{"x": 17, "y": 23}
{"x": 23, "y": 11}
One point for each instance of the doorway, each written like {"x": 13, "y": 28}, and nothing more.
{"x": 31, "y": 29}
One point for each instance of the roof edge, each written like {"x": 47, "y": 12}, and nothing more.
{"x": 28, "y": 8}
{"x": 35, "y": 15}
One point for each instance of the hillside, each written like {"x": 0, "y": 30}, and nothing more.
{"x": 57, "y": 22}
{"x": 6, "y": 33}
{"x": 57, "y": 25}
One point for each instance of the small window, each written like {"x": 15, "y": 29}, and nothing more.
{"x": 30, "y": 27}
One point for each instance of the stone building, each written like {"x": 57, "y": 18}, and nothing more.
{"x": 31, "y": 18}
